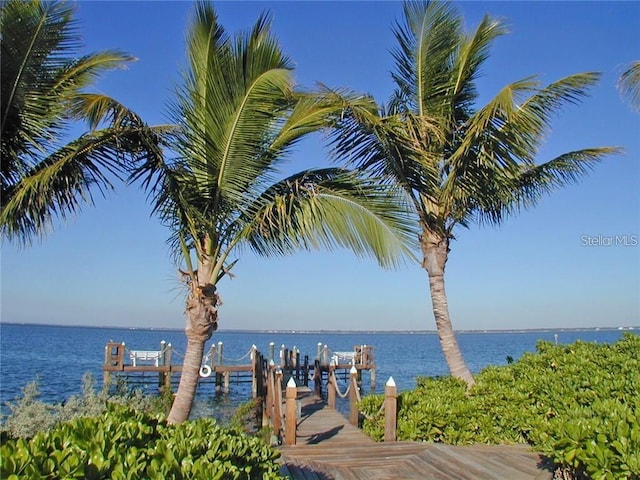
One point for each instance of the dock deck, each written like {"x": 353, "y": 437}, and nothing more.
{"x": 329, "y": 448}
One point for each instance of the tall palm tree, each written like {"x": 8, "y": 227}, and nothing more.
{"x": 629, "y": 85}
{"x": 43, "y": 82}
{"x": 238, "y": 115}
{"x": 459, "y": 163}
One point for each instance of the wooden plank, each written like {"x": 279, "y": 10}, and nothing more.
{"x": 328, "y": 447}
{"x": 232, "y": 368}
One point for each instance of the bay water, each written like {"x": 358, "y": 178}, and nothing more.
{"x": 59, "y": 356}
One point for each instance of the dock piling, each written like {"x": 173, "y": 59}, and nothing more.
{"x": 390, "y": 410}
{"x": 291, "y": 412}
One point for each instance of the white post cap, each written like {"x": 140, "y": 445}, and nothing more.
{"x": 391, "y": 382}
{"x": 353, "y": 369}
{"x": 291, "y": 383}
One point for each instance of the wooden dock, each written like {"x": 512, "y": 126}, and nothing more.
{"x": 162, "y": 367}
{"x": 328, "y": 447}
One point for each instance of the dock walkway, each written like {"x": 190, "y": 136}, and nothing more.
{"x": 329, "y": 448}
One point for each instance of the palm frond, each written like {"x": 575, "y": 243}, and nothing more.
{"x": 506, "y": 133}
{"x": 629, "y": 85}
{"x": 236, "y": 92}
{"x": 472, "y": 52}
{"x": 42, "y": 93}
{"x": 535, "y": 181}
{"x": 426, "y": 42}
{"x": 330, "y": 208}
{"x": 59, "y": 184}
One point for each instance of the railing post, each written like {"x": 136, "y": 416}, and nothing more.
{"x": 353, "y": 396}
{"x": 325, "y": 355}
{"x": 272, "y": 349}
{"x": 291, "y": 420}
{"x": 212, "y": 355}
{"x": 331, "y": 388}
{"x": 267, "y": 414}
{"x": 254, "y": 366}
{"x": 305, "y": 371}
{"x": 319, "y": 356}
{"x": 390, "y": 410}
{"x": 161, "y": 362}
{"x": 277, "y": 403}
{"x": 167, "y": 360}
{"x": 219, "y": 362}
{"x": 317, "y": 378}
{"x": 106, "y": 374}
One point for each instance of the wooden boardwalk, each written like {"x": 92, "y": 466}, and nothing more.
{"x": 329, "y": 448}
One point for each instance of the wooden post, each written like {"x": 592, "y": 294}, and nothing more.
{"x": 317, "y": 378}
{"x": 353, "y": 396}
{"x": 272, "y": 349}
{"x": 325, "y": 355}
{"x": 331, "y": 388}
{"x": 227, "y": 382}
{"x": 220, "y": 353}
{"x": 267, "y": 418}
{"x": 292, "y": 421}
{"x": 212, "y": 355}
{"x": 219, "y": 362}
{"x": 106, "y": 374}
{"x": 277, "y": 403}
{"x": 162, "y": 374}
{"x": 254, "y": 372}
{"x": 390, "y": 410}
{"x": 319, "y": 356}
{"x": 305, "y": 371}
{"x": 167, "y": 359}
{"x": 372, "y": 373}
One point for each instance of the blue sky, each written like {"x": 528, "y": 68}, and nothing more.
{"x": 111, "y": 266}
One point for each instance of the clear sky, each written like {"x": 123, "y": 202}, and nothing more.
{"x": 111, "y": 266}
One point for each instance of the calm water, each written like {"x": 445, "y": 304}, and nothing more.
{"x": 60, "y": 356}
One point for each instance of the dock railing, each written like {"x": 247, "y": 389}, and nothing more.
{"x": 286, "y": 426}
{"x": 274, "y": 379}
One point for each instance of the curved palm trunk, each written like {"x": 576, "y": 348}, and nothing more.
{"x": 202, "y": 320}
{"x": 436, "y": 251}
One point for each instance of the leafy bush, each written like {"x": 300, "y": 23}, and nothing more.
{"x": 577, "y": 404}
{"x": 125, "y": 444}
{"x": 28, "y": 415}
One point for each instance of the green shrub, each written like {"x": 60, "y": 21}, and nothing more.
{"x": 125, "y": 444}
{"x": 577, "y": 404}
{"x": 28, "y": 415}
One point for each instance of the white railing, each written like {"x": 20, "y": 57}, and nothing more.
{"x": 145, "y": 355}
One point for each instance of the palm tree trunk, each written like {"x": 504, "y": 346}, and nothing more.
{"x": 202, "y": 320}
{"x": 435, "y": 250}
{"x": 181, "y": 408}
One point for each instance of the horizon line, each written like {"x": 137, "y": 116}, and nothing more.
{"x": 310, "y": 331}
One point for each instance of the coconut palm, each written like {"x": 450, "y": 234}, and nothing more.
{"x": 238, "y": 115}
{"x": 43, "y": 94}
{"x": 629, "y": 84}
{"x": 458, "y": 162}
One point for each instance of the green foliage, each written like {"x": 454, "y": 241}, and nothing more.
{"x": 29, "y": 416}
{"x": 577, "y": 404}
{"x": 126, "y": 444}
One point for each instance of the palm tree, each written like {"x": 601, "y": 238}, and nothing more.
{"x": 629, "y": 84}
{"x": 238, "y": 115}
{"x": 459, "y": 163}
{"x": 43, "y": 94}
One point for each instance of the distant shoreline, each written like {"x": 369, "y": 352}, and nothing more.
{"x": 630, "y": 328}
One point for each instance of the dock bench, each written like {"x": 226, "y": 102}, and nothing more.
{"x": 145, "y": 355}
{"x": 343, "y": 357}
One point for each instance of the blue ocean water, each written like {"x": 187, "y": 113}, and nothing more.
{"x": 60, "y": 356}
